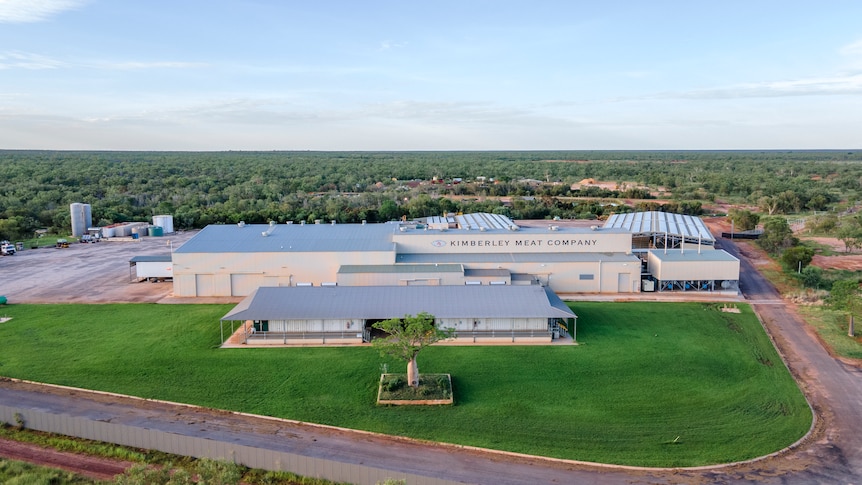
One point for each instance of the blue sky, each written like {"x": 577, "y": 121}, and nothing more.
{"x": 442, "y": 75}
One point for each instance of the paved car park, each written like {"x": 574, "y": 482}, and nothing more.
{"x": 85, "y": 272}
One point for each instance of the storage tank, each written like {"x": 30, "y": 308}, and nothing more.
{"x": 82, "y": 218}
{"x": 141, "y": 231}
{"x": 166, "y": 222}
{"x": 156, "y": 231}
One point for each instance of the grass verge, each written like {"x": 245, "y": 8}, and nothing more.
{"x": 652, "y": 384}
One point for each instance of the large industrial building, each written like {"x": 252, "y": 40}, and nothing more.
{"x": 476, "y": 249}
{"x": 466, "y": 253}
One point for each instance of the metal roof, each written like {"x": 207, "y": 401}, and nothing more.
{"x": 692, "y": 255}
{"x": 383, "y": 302}
{"x": 249, "y": 238}
{"x": 161, "y": 258}
{"x": 653, "y": 222}
{"x": 478, "y": 220}
{"x": 478, "y": 273}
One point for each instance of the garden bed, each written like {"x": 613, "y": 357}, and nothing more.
{"x": 434, "y": 389}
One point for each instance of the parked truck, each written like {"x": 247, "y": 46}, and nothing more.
{"x": 7, "y": 248}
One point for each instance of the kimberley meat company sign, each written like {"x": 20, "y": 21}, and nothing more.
{"x": 516, "y": 243}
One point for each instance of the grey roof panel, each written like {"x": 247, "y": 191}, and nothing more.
{"x": 654, "y": 222}
{"x": 692, "y": 255}
{"x": 233, "y": 238}
{"x": 160, "y": 258}
{"x": 381, "y": 302}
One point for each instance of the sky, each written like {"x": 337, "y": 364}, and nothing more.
{"x": 441, "y": 75}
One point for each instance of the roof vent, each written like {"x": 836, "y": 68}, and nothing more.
{"x": 481, "y": 228}
{"x": 289, "y": 222}
{"x": 272, "y": 223}
{"x": 364, "y": 222}
{"x": 333, "y": 223}
{"x": 301, "y": 223}
{"x": 318, "y": 221}
{"x": 240, "y": 224}
{"x": 594, "y": 228}
{"x": 264, "y": 234}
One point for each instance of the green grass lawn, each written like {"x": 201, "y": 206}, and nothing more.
{"x": 651, "y": 384}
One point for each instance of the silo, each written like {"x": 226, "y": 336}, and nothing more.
{"x": 166, "y": 222}
{"x": 82, "y": 218}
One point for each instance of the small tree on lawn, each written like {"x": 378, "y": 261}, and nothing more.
{"x": 407, "y": 337}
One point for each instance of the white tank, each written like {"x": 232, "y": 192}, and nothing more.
{"x": 166, "y": 222}
{"x": 82, "y": 218}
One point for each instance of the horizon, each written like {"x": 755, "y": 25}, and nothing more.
{"x": 381, "y": 76}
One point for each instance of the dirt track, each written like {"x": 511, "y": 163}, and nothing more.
{"x": 85, "y": 465}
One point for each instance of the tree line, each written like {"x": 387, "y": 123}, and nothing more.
{"x": 200, "y": 188}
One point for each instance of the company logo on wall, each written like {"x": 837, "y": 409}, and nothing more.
{"x": 437, "y": 243}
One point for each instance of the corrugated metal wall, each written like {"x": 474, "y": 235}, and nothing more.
{"x": 151, "y": 439}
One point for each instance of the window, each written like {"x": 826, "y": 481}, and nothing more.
{"x": 586, "y": 277}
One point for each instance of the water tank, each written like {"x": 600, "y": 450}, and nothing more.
{"x": 166, "y": 222}
{"x": 156, "y": 231}
{"x": 82, "y": 218}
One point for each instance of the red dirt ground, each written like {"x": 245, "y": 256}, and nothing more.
{"x": 94, "y": 467}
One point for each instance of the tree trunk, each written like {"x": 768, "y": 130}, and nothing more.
{"x": 413, "y": 373}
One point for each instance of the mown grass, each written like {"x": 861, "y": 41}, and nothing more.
{"x": 832, "y": 326}
{"x": 650, "y": 384}
{"x": 19, "y": 473}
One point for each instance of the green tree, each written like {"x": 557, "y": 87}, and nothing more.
{"x": 743, "y": 220}
{"x": 812, "y": 277}
{"x": 844, "y": 294}
{"x": 407, "y": 337}
{"x": 777, "y": 235}
{"x": 796, "y": 258}
{"x": 850, "y": 232}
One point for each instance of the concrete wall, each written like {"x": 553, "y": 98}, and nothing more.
{"x": 694, "y": 266}
{"x": 151, "y": 439}
{"x": 212, "y": 274}
{"x": 533, "y": 241}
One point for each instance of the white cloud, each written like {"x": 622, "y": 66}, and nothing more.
{"x": 27, "y": 60}
{"x": 21, "y": 11}
{"x": 852, "y": 50}
{"x": 823, "y": 86}
{"x": 133, "y": 65}
{"x": 388, "y": 44}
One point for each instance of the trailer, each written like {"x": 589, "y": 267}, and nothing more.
{"x": 151, "y": 268}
